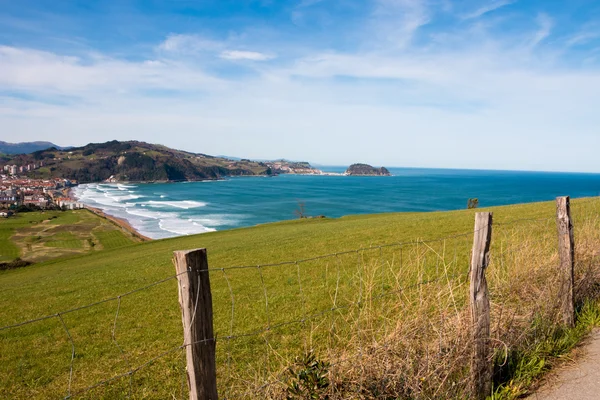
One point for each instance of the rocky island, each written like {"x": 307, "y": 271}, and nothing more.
{"x": 366, "y": 170}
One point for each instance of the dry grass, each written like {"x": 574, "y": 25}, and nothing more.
{"x": 390, "y": 322}
{"x": 415, "y": 343}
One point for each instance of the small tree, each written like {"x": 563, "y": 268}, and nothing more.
{"x": 300, "y": 211}
{"x": 473, "y": 203}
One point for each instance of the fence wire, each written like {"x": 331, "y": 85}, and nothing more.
{"x": 447, "y": 267}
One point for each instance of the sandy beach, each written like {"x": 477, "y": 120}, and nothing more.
{"x": 121, "y": 222}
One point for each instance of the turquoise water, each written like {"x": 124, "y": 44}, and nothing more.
{"x": 172, "y": 209}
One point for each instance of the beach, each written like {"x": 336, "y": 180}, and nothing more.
{"x": 121, "y": 222}
{"x": 163, "y": 210}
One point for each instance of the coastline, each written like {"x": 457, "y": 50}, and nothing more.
{"x": 121, "y": 222}
{"x": 170, "y": 211}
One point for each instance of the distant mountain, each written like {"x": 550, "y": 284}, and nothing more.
{"x": 26, "y": 147}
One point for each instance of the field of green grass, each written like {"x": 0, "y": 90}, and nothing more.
{"x": 112, "y": 239}
{"x": 42, "y": 236}
{"x": 346, "y": 307}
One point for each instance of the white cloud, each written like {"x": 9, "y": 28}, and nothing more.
{"x": 245, "y": 55}
{"x": 587, "y": 34}
{"x": 181, "y": 45}
{"x": 494, "y": 5}
{"x": 298, "y": 14}
{"x": 545, "y": 25}
{"x": 395, "y": 22}
{"x": 35, "y": 70}
{"x": 419, "y": 106}
{"x": 187, "y": 44}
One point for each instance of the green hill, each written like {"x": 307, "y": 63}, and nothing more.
{"x": 132, "y": 161}
{"x": 347, "y": 305}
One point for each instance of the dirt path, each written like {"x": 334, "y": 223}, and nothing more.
{"x": 580, "y": 380}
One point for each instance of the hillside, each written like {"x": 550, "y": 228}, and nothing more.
{"x": 132, "y": 161}
{"x": 419, "y": 283}
{"x": 37, "y": 236}
{"x": 135, "y": 161}
{"x": 24, "y": 147}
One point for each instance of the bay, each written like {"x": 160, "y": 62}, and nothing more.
{"x": 173, "y": 209}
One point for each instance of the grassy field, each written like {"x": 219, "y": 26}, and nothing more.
{"x": 41, "y": 236}
{"x": 351, "y": 308}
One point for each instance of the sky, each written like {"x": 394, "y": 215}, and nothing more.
{"x": 486, "y": 84}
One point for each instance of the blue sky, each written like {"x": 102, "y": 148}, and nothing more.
{"x": 460, "y": 84}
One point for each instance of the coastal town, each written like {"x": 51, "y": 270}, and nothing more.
{"x": 43, "y": 179}
{"x": 18, "y": 192}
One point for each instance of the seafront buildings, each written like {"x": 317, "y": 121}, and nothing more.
{"x": 16, "y": 191}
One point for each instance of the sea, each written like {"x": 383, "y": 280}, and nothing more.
{"x": 162, "y": 210}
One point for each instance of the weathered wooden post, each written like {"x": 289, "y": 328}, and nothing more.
{"x": 481, "y": 365}
{"x": 195, "y": 300}
{"x": 566, "y": 250}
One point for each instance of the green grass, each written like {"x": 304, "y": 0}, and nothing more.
{"x": 112, "y": 239}
{"x": 64, "y": 240}
{"x": 35, "y": 359}
{"x": 69, "y": 218}
{"x": 525, "y": 367}
{"x": 41, "y": 236}
{"x": 8, "y": 250}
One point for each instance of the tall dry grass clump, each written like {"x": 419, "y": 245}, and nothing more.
{"x": 408, "y": 337}
{"x": 412, "y": 339}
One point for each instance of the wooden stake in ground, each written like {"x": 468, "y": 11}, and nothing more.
{"x": 195, "y": 299}
{"x": 481, "y": 365}
{"x": 566, "y": 250}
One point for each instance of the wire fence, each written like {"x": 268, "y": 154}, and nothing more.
{"x": 386, "y": 320}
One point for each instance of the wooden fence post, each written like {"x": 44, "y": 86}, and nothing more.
{"x": 195, "y": 300}
{"x": 566, "y": 250}
{"x": 481, "y": 365}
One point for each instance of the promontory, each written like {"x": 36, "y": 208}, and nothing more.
{"x": 366, "y": 170}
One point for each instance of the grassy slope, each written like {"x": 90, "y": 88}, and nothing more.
{"x": 149, "y": 321}
{"x": 40, "y": 236}
{"x": 109, "y": 273}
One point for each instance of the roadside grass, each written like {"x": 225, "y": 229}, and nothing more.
{"x": 520, "y": 369}
{"x": 392, "y": 321}
{"x": 45, "y": 235}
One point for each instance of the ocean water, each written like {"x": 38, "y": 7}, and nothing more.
{"x": 173, "y": 209}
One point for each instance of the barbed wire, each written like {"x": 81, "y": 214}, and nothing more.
{"x": 56, "y": 315}
{"x": 270, "y": 325}
{"x": 359, "y": 354}
{"x": 259, "y": 266}
{"x": 269, "y": 328}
